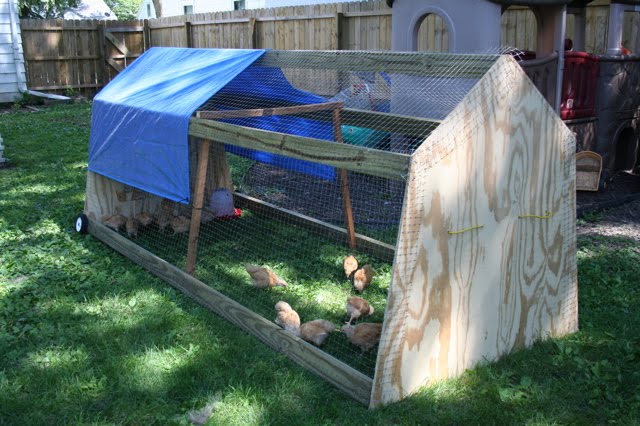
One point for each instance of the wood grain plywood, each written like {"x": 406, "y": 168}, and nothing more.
{"x": 485, "y": 261}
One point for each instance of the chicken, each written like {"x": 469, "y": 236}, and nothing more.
{"x": 287, "y": 318}
{"x": 144, "y": 219}
{"x": 180, "y": 224}
{"x": 350, "y": 265}
{"x": 163, "y": 218}
{"x": 357, "y": 307}
{"x": 362, "y": 277}
{"x": 316, "y": 331}
{"x": 364, "y": 335}
{"x": 115, "y": 221}
{"x": 264, "y": 277}
{"x": 132, "y": 227}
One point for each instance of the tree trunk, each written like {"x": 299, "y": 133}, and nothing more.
{"x": 157, "y": 5}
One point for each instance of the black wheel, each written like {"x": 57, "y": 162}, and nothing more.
{"x": 82, "y": 224}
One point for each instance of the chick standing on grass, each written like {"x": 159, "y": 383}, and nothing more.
{"x": 350, "y": 265}
{"x": 364, "y": 335}
{"x": 357, "y": 307}
{"x": 287, "y": 318}
{"x": 264, "y": 277}
{"x": 362, "y": 278}
{"x": 316, "y": 331}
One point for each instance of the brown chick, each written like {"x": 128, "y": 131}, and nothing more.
{"x": 287, "y": 318}
{"x": 364, "y": 335}
{"x": 115, "y": 221}
{"x": 180, "y": 224}
{"x": 357, "y": 307}
{"x": 350, "y": 265}
{"x": 144, "y": 219}
{"x": 316, "y": 331}
{"x": 264, "y": 277}
{"x": 132, "y": 227}
{"x": 362, "y": 277}
{"x": 163, "y": 218}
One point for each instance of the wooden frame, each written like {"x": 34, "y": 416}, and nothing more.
{"x": 499, "y": 168}
{"x": 357, "y": 385}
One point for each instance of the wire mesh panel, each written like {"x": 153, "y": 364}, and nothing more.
{"x": 298, "y": 163}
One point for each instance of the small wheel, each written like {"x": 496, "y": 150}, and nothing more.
{"x": 82, "y": 224}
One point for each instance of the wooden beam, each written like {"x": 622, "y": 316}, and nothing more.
{"x": 135, "y": 29}
{"x": 409, "y": 63}
{"x": 367, "y": 14}
{"x": 358, "y": 159}
{"x": 402, "y": 124}
{"x": 339, "y": 374}
{"x": 117, "y": 43}
{"x": 395, "y": 123}
{"x": 263, "y": 112}
{"x": 60, "y": 58}
{"x": 344, "y": 185}
{"x": 116, "y": 66}
{"x": 198, "y": 202}
{"x": 370, "y": 245}
{"x": 66, "y": 86}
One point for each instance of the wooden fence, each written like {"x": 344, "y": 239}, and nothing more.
{"x": 82, "y": 56}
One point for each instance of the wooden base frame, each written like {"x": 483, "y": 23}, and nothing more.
{"x": 352, "y": 382}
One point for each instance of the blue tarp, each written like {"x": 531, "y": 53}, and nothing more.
{"x": 271, "y": 85}
{"x": 140, "y": 121}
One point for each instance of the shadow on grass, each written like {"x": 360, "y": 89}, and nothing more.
{"x": 103, "y": 340}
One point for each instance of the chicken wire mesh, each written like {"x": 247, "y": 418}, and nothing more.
{"x": 285, "y": 210}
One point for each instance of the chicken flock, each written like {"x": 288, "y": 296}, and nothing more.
{"x": 166, "y": 217}
{"x": 364, "y": 335}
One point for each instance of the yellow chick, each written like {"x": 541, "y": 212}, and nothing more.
{"x": 357, "y": 307}
{"x": 362, "y": 278}
{"x": 264, "y": 277}
{"x": 316, "y": 331}
{"x": 287, "y": 318}
{"x": 350, "y": 265}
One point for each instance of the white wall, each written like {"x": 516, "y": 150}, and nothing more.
{"x": 176, "y": 7}
{"x": 12, "y": 73}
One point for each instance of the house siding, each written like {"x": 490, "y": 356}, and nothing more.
{"x": 12, "y": 72}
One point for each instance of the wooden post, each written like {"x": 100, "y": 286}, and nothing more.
{"x": 344, "y": 184}
{"x": 251, "y": 33}
{"x": 102, "y": 54}
{"x": 146, "y": 35}
{"x": 189, "y": 33}
{"x": 198, "y": 201}
{"x": 337, "y": 41}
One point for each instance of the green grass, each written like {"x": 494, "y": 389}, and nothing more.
{"x": 87, "y": 337}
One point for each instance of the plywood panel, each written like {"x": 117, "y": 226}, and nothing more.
{"x": 485, "y": 261}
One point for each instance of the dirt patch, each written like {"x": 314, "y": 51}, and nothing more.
{"x": 622, "y": 188}
{"x": 622, "y": 221}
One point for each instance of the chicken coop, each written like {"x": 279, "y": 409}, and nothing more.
{"x": 248, "y": 178}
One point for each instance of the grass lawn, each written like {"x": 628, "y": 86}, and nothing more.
{"x": 87, "y": 337}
